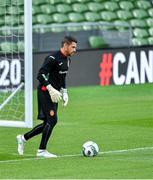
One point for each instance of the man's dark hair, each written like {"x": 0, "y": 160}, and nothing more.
{"x": 68, "y": 40}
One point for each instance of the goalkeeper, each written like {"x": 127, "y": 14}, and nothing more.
{"x": 51, "y": 89}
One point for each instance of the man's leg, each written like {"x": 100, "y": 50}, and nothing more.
{"x": 21, "y": 139}
{"x": 35, "y": 131}
{"x": 46, "y": 133}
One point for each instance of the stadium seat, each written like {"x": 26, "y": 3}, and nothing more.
{"x": 92, "y": 16}
{"x": 140, "y": 13}
{"x": 4, "y": 3}
{"x": 100, "y": 1}
{"x": 18, "y": 2}
{"x": 87, "y": 26}
{"x": 2, "y": 11}
{"x": 60, "y": 18}
{"x": 150, "y": 12}
{"x": 150, "y": 31}
{"x": 76, "y": 17}
{"x": 1, "y": 22}
{"x": 22, "y": 19}
{"x": 48, "y": 9}
{"x": 107, "y": 27}
{"x": 139, "y": 41}
{"x": 124, "y": 15}
{"x": 21, "y": 29}
{"x": 74, "y": 28}
{"x": 44, "y": 19}
{"x": 97, "y": 42}
{"x": 20, "y": 46}
{"x": 121, "y": 25}
{"x": 11, "y": 20}
{"x": 108, "y": 16}
{"x": 63, "y": 8}
{"x": 15, "y": 10}
{"x": 8, "y": 47}
{"x": 93, "y": 6}
{"x": 41, "y": 29}
{"x": 56, "y": 28}
{"x": 150, "y": 40}
{"x": 36, "y": 10}
{"x": 71, "y": 1}
{"x": 133, "y": 1}
{"x": 84, "y": 1}
{"x": 126, "y": 5}
{"x": 111, "y": 6}
{"x": 54, "y": 2}
{"x": 138, "y": 23}
{"x": 38, "y": 2}
{"x": 80, "y": 8}
{"x": 143, "y": 4}
{"x": 149, "y": 22}
{"x": 6, "y": 31}
{"x": 140, "y": 33}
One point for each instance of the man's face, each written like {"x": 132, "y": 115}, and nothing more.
{"x": 70, "y": 49}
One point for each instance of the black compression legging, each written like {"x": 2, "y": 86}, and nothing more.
{"x": 45, "y": 128}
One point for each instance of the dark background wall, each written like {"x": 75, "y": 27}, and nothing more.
{"x": 90, "y": 67}
{"x": 86, "y": 66}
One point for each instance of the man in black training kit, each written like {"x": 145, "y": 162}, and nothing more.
{"x": 51, "y": 89}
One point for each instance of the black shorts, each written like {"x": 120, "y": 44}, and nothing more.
{"x": 45, "y": 105}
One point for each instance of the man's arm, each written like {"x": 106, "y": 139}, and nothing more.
{"x": 64, "y": 92}
{"x": 46, "y": 68}
{"x": 43, "y": 75}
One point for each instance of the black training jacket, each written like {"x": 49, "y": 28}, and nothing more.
{"x": 54, "y": 70}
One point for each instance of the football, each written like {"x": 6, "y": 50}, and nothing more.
{"x": 90, "y": 149}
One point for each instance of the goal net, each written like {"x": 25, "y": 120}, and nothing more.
{"x": 16, "y": 63}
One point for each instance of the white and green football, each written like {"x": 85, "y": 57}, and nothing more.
{"x": 90, "y": 149}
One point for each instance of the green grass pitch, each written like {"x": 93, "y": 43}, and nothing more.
{"x": 115, "y": 117}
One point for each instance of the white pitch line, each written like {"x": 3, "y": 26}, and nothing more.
{"x": 126, "y": 150}
{"x": 76, "y": 155}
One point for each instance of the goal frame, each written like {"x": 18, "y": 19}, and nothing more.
{"x": 28, "y": 66}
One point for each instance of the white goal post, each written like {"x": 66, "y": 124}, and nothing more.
{"x": 26, "y": 83}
